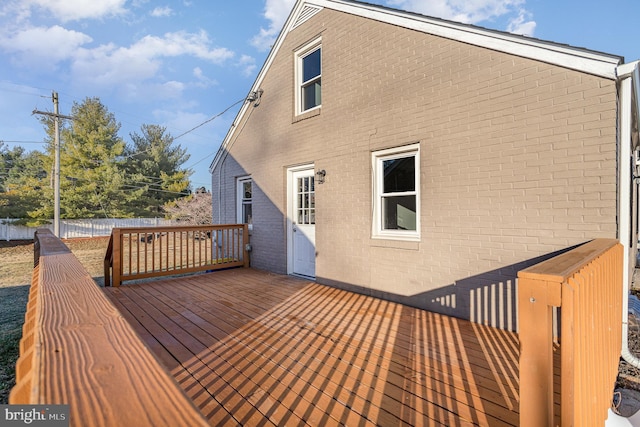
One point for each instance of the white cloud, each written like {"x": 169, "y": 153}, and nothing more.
{"x": 521, "y": 25}
{"x": 474, "y": 12}
{"x": 248, "y": 65}
{"x": 109, "y": 64}
{"x": 181, "y": 43}
{"x": 152, "y": 92}
{"x": 72, "y": 10}
{"x": 202, "y": 81}
{"x": 43, "y": 46}
{"x": 276, "y": 12}
{"x": 112, "y": 65}
{"x": 160, "y": 12}
{"x": 466, "y": 11}
{"x": 18, "y": 11}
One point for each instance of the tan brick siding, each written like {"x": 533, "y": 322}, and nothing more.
{"x": 518, "y": 159}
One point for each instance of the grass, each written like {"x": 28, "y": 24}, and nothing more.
{"x": 15, "y": 278}
{"x": 14, "y": 301}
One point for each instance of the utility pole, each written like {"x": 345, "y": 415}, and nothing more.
{"x": 56, "y": 166}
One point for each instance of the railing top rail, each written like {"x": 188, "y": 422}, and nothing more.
{"x": 73, "y": 328}
{"x": 177, "y": 228}
{"x": 561, "y": 267}
{"x": 50, "y": 244}
{"x": 175, "y": 249}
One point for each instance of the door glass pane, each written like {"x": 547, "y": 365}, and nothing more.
{"x": 305, "y": 198}
{"x": 247, "y": 216}
{"x": 244, "y": 191}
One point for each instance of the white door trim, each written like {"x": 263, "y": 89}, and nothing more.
{"x": 290, "y": 211}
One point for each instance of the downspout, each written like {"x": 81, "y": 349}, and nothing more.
{"x": 629, "y": 78}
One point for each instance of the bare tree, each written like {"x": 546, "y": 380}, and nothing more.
{"x": 195, "y": 209}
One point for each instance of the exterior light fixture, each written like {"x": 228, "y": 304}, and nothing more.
{"x": 320, "y": 176}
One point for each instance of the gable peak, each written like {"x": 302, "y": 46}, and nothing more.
{"x": 304, "y": 14}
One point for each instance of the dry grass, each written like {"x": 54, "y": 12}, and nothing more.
{"x": 15, "y": 278}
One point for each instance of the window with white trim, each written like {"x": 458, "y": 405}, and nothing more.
{"x": 396, "y": 193}
{"x": 309, "y": 77}
{"x": 244, "y": 211}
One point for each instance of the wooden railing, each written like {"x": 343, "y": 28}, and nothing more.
{"x": 586, "y": 283}
{"x": 145, "y": 252}
{"x": 78, "y": 350}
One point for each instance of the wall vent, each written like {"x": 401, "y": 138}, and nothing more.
{"x": 305, "y": 14}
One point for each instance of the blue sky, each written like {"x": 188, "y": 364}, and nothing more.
{"x": 178, "y": 63}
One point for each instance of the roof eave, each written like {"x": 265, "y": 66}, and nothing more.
{"x": 585, "y": 60}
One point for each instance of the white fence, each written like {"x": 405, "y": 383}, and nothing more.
{"x": 70, "y": 228}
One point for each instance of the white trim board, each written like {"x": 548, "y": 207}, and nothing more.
{"x": 600, "y": 64}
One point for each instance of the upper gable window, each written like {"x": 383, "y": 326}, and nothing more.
{"x": 309, "y": 77}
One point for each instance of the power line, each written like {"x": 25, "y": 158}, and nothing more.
{"x": 22, "y": 142}
{"x": 139, "y": 185}
{"x": 211, "y": 119}
{"x": 202, "y": 159}
{"x": 192, "y": 129}
{"x": 23, "y": 93}
{"x": 157, "y": 190}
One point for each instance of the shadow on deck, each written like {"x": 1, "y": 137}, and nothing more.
{"x": 255, "y": 348}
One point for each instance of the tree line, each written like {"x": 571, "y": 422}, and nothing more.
{"x": 101, "y": 175}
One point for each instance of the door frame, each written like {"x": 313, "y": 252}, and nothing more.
{"x": 290, "y": 210}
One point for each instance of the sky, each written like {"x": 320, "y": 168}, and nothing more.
{"x": 180, "y": 63}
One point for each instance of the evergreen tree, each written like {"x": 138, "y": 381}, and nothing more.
{"x": 100, "y": 176}
{"x": 92, "y": 177}
{"x": 154, "y": 164}
{"x": 23, "y": 179}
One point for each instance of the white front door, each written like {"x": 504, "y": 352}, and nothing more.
{"x": 302, "y": 220}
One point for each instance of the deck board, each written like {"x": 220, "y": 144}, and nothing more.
{"x": 254, "y": 348}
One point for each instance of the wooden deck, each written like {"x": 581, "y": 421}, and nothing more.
{"x": 253, "y": 348}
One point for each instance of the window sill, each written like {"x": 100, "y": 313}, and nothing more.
{"x": 307, "y": 115}
{"x": 389, "y": 242}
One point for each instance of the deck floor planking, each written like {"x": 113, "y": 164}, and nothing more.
{"x": 251, "y": 347}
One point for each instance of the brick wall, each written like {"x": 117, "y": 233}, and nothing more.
{"x": 518, "y": 160}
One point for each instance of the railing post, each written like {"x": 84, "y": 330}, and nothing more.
{"x": 535, "y": 302}
{"x": 108, "y": 261}
{"x": 245, "y": 244}
{"x": 117, "y": 256}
